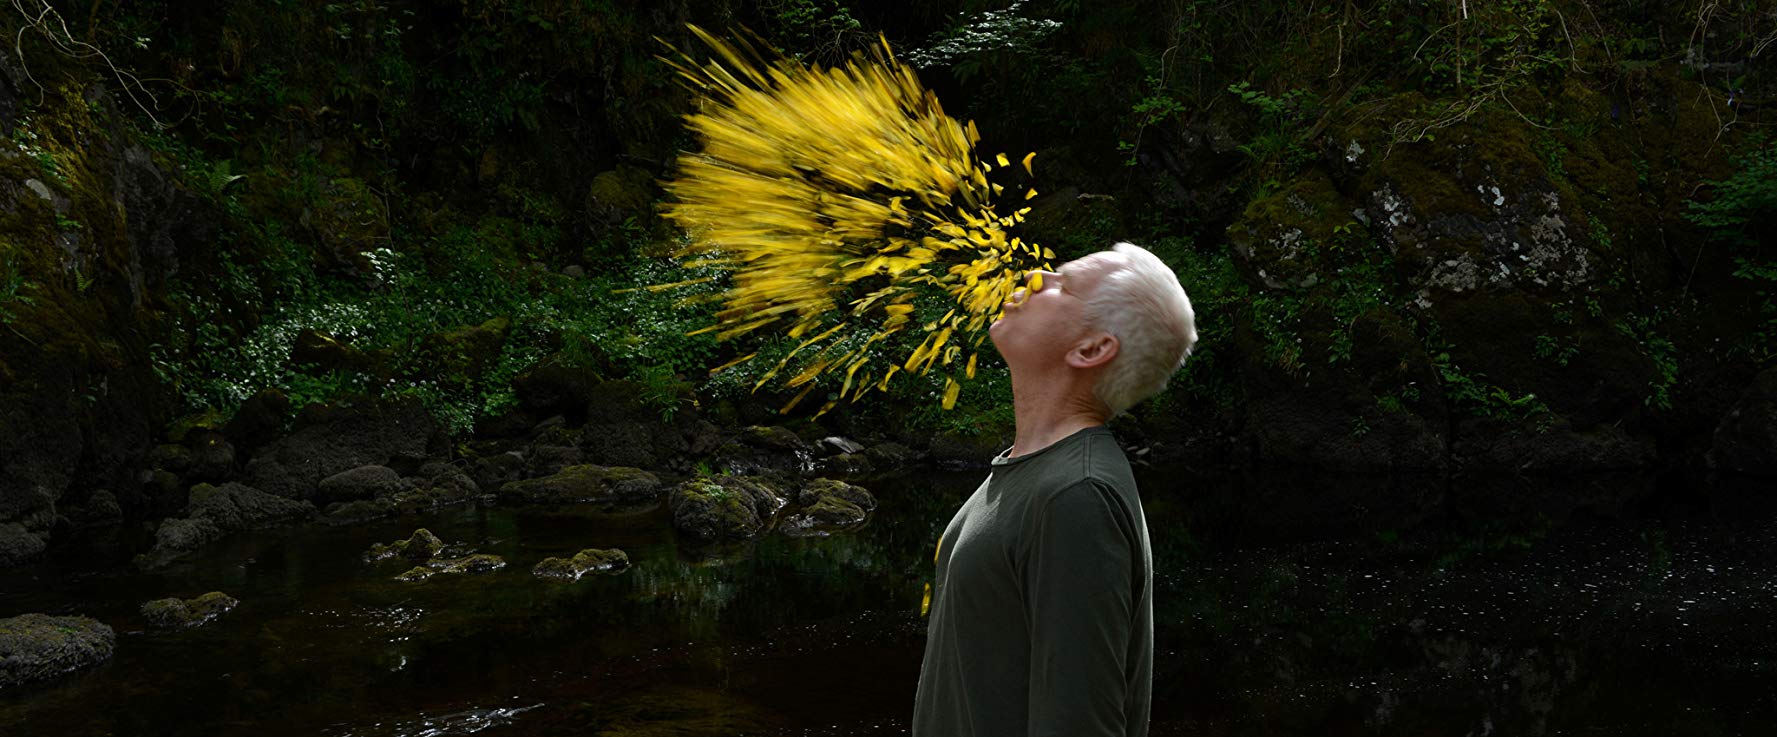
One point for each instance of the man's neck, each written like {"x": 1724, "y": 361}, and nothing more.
{"x": 1047, "y": 413}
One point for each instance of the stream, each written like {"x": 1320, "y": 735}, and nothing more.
{"x": 1284, "y": 605}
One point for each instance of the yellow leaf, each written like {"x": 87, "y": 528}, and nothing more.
{"x": 1002, "y": 159}
{"x": 1027, "y": 170}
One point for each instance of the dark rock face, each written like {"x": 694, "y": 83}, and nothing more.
{"x": 1746, "y": 439}
{"x": 724, "y": 507}
{"x": 828, "y": 506}
{"x": 438, "y": 484}
{"x": 176, "y": 613}
{"x": 591, "y": 560}
{"x": 18, "y": 545}
{"x": 421, "y": 546}
{"x": 215, "y": 511}
{"x": 363, "y": 482}
{"x": 585, "y": 483}
{"x": 37, "y": 646}
{"x": 334, "y": 438}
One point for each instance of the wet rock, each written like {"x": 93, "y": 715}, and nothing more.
{"x": 591, "y": 560}
{"x": 331, "y": 438}
{"x": 1746, "y": 439}
{"x": 363, "y": 482}
{"x": 772, "y": 437}
{"x": 38, "y": 646}
{"x": 724, "y": 507}
{"x": 845, "y": 466}
{"x": 828, "y": 506}
{"x": 18, "y": 545}
{"x": 585, "y": 483}
{"x": 166, "y": 492}
{"x": 176, "y": 613}
{"x": 890, "y": 456}
{"x": 421, "y": 546}
{"x": 215, "y": 511}
{"x": 349, "y": 219}
{"x": 477, "y": 563}
{"x": 836, "y": 445}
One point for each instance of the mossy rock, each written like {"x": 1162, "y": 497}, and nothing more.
{"x": 176, "y": 613}
{"x": 422, "y": 545}
{"x": 707, "y": 511}
{"x": 34, "y": 647}
{"x": 464, "y": 353}
{"x": 828, "y": 506}
{"x": 590, "y": 560}
{"x": 585, "y": 483}
{"x": 477, "y": 563}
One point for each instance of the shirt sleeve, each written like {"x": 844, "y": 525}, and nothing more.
{"x": 1079, "y": 600}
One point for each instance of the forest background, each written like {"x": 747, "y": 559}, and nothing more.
{"x": 1419, "y": 234}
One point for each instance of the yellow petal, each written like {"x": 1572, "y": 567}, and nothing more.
{"x": 951, "y": 388}
{"x": 1027, "y": 170}
{"x": 1002, "y": 159}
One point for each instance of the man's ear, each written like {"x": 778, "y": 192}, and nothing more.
{"x": 1096, "y": 350}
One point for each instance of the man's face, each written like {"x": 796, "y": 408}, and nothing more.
{"x": 1043, "y": 322}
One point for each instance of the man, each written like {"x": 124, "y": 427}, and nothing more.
{"x": 1041, "y": 619}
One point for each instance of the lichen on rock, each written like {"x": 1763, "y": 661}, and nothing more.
{"x": 422, "y": 545}
{"x": 38, "y": 646}
{"x": 175, "y": 613}
{"x": 590, "y": 560}
{"x": 477, "y": 563}
{"x": 585, "y": 483}
{"x": 828, "y": 506}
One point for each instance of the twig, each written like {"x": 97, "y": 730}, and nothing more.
{"x": 73, "y": 47}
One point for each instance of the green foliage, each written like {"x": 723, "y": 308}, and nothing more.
{"x": 1277, "y": 146}
{"x": 1471, "y": 392}
{"x": 1660, "y": 351}
{"x": 1745, "y": 204}
{"x": 1556, "y": 350}
{"x": 14, "y": 291}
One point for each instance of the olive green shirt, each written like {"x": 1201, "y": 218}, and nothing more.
{"x": 1041, "y": 619}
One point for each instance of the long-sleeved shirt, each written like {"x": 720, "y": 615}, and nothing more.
{"x": 1041, "y": 620}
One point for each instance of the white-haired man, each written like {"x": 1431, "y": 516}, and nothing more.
{"x": 1041, "y": 619}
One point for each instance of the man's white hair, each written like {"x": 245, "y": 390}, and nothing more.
{"x": 1143, "y": 305}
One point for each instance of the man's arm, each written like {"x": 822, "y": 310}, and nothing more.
{"x": 1078, "y": 594}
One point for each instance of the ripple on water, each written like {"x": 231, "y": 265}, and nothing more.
{"x": 466, "y": 721}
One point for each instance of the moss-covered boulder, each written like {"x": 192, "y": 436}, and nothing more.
{"x": 591, "y": 560}
{"x": 215, "y": 511}
{"x": 176, "y": 613}
{"x": 828, "y": 506}
{"x": 18, "y": 544}
{"x": 438, "y": 484}
{"x": 38, "y": 646}
{"x": 477, "y": 563}
{"x": 422, "y": 545}
{"x": 585, "y": 483}
{"x": 724, "y": 507}
{"x": 465, "y": 352}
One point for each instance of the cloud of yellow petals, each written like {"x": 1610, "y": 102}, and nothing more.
{"x": 837, "y": 199}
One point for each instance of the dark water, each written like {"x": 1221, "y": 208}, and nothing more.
{"x": 1286, "y": 606}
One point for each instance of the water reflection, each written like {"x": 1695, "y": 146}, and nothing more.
{"x": 1285, "y": 605}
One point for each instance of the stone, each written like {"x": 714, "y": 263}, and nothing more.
{"x": 363, "y": 482}
{"x": 176, "y": 613}
{"x": 771, "y": 436}
{"x": 724, "y": 507}
{"x": 18, "y": 545}
{"x": 170, "y": 456}
{"x": 101, "y": 508}
{"x": 585, "y": 483}
{"x": 493, "y": 471}
{"x": 38, "y": 646}
{"x": 839, "y": 445}
{"x": 477, "y": 563}
{"x": 828, "y": 506}
{"x": 331, "y": 438}
{"x": 212, "y": 456}
{"x": 590, "y": 560}
{"x": 422, "y": 545}
{"x": 548, "y": 460}
{"x": 215, "y": 511}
